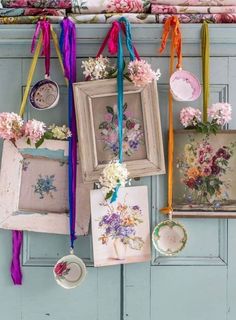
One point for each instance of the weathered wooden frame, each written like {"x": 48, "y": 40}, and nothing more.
{"x": 84, "y": 92}
{"x": 14, "y": 217}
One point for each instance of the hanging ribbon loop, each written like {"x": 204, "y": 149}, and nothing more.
{"x": 68, "y": 48}
{"x": 205, "y": 68}
{"x": 172, "y": 24}
{"x": 45, "y": 27}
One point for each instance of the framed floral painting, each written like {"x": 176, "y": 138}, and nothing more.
{"x": 205, "y": 174}
{"x": 121, "y": 232}
{"x": 96, "y": 112}
{"x": 34, "y": 189}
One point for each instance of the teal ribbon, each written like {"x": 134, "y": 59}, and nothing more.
{"x": 120, "y": 87}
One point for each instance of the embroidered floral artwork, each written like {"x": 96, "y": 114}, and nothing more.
{"x": 132, "y": 131}
{"x": 120, "y": 222}
{"x": 45, "y": 186}
{"x": 205, "y": 168}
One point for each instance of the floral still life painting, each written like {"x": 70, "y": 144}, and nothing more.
{"x": 132, "y": 131}
{"x": 121, "y": 229}
{"x": 204, "y": 181}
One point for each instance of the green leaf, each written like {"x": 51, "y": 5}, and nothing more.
{"x": 48, "y": 135}
{"x": 39, "y": 142}
{"x": 28, "y": 141}
{"x": 103, "y": 125}
{"x": 110, "y": 110}
{"x": 109, "y": 195}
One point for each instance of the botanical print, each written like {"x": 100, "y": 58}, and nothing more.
{"x": 132, "y": 131}
{"x": 119, "y": 223}
{"x": 121, "y": 229}
{"x": 45, "y": 186}
{"x": 136, "y": 18}
{"x": 158, "y": 8}
{"x": 204, "y": 177}
{"x": 16, "y": 12}
{"x": 199, "y": 18}
{"x": 28, "y": 19}
{"x": 111, "y": 6}
{"x": 56, "y": 4}
{"x": 195, "y": 2}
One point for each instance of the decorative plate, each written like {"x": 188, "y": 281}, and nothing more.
{"x": 184, "y": 86}
{"x": 44, "y": 94}
{"x": 70, "y": 271}
{"x": 169, "y": 237}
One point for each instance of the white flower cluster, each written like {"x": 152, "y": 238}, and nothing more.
{"x": 95, "y": 69}
{"x": 115, "y": 173}
{"x": 60, "y": 133}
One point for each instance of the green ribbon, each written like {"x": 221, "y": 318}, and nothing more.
{"x": 205, "y": 68}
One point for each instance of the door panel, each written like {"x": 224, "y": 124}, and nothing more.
{"x": 200, "y": 283}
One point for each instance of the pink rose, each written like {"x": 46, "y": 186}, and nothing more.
{"x": 108, "y": 117}
{"x": 124, "y": 6}
{"x": 113, "y": 137}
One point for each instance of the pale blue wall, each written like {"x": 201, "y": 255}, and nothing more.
{"x": 200, "y": 284}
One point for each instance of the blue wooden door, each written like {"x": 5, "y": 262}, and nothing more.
{"x": 199, "y": 284}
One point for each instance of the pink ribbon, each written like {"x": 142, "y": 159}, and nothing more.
{"x": 16, "y": 274}
{"x": 45, "y": 27}
{"x": 111, "y": 40}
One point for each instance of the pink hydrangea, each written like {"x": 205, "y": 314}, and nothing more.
{"x": 34, "y": 130}
{"x": 124, "y": 6}
{"x": 221, "y": 113}
{"x": 189, "y": 117}
{"x": 141, "y": 73}
{"x": 11, "y": 126}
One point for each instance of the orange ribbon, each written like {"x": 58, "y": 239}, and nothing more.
{"x": 173, "y": 24}
{"x": 176, "y": 46}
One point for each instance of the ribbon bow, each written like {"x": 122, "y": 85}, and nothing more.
{"x": 45, "y": 27}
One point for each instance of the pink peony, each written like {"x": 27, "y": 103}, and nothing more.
{"x": 221, "y": 113}
{"x": 141, "y": 73}
{"x": 189, "y": 117}
{"x": 124, "y": 6}
{"x": 11, "y": 126}
{"x": 34, "y": 130}
{"x": 108, "y": 117}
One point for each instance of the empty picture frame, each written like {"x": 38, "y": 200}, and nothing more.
{"x": 96, "y": 113}
{"x": 204, "y": 181}
{"x": 34, "y": 189}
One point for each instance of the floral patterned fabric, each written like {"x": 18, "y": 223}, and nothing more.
{"x": 199, "y": 18}
{"x": 109, "y": 18}
{"x": 110, "y": 6}
{"x": 28, "y": 19}
{"x": 156, "y": 9}
{"x": 59, "y": 4}
{"x": 16, "y": 12}
{"x": 195, "y": 2}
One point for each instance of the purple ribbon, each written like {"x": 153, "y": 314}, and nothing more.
{"x": 68, "y": 48}
{"x": 16, "y": 274}
{"x": 45, "y": 27}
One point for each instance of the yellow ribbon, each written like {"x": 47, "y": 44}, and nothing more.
{"x": 205, "y": 68}
{"x": 33, "y": 66}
